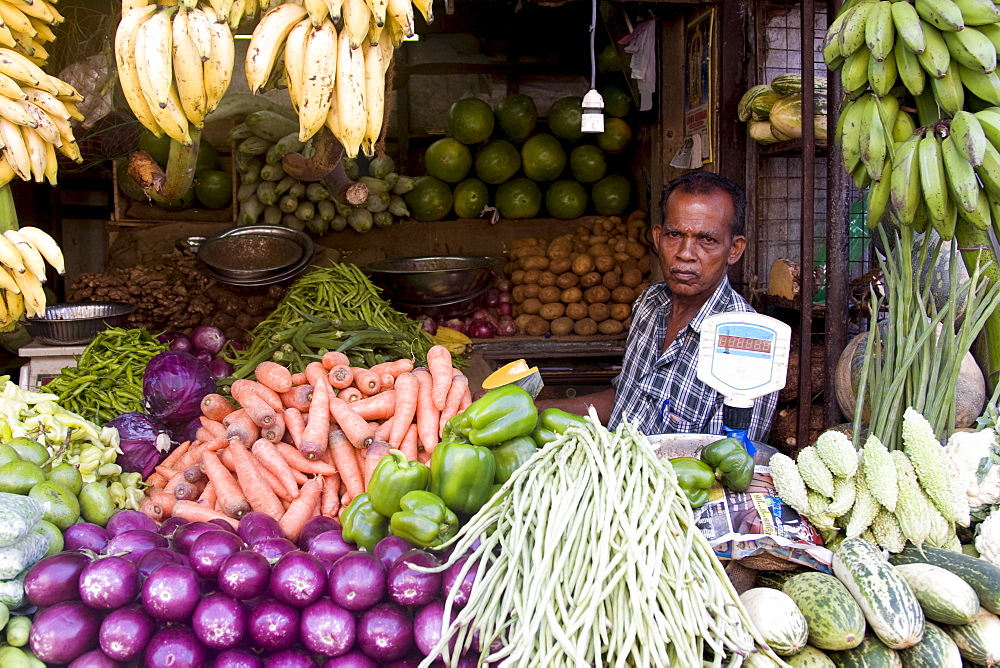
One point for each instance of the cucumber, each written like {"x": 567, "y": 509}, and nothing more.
{"x": 979, "y": 641}
{"x": 12, "y": 657}
{"x": 936, "y": 650}
{"x": 835, "y": 620}
{"x": 945, "y": 597}
{"x": 18, "y": 630}
{"x": 983, "y": 576}
{"x": 270, "y": 126}
{"x": 810, "y": 657}
{"x": 778, "y": 620}
{"x": 889, "y": 604}
{"x": 871, "y": 653}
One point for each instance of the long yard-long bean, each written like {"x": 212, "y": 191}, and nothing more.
{"x": 589, "y": 556}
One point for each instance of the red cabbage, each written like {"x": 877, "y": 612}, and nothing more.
{"x": 174, "y": 385}
{"x": 144, "y": 442}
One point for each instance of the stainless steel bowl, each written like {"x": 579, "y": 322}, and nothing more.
{"x": 73, "y": 324}
{"x": 253, "y": 253}
{"x": 432, "y": 280}
{"x": 454, "y": 308}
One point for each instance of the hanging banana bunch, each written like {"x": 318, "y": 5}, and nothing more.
{"x": 332, "y": 55}
{"x": 35, "y": 114}
{"x": 26, "y": 27}
{"x": 23, "y": 254}
{"x": 174, "y": 65}
{"x": 920, "y": 123}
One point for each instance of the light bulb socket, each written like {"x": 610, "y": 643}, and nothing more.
{"x": 592, "y": 120}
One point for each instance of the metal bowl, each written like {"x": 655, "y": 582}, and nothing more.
{"x": 432, "y": 280}
{"x": 455, "y": 308}
{"x": 73, "y": 324}
{"x": 254, "y": 252}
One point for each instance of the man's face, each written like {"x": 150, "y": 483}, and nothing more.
{"x": 695, "y": 242}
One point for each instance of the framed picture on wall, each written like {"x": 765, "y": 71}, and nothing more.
{"x": 698, "y": 80}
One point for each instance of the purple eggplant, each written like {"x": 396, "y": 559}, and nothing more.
{"x": 65, "y": 631}
{"x": 224, "y": 525}
{"x": 175, "y": 647}
{"x": 353, "y": 659}
{"x": 410, "y": 587}
{"x": 450, "y": 585}
{"x": 219, "y": 622}
{"x": 212, "y": 548}
{"x": 55, "y": 579}
{"x": 411, "y": 660}
{"x": 274, "y": 625}
{"x": 133, "y": 544}
{"x": 155, "y": 558}
{"x": 427, "y": 626}
{"x": 95, "y": 658}
{"x": 294, "y": 657}
{"x": 315, "y": 526}
{"x": 391, "y": 548}
{"x": 244, "y": 575}
{"x": 298, "y": 579}
{"x": 357, "y": 581}
{"x": 171, "y": 524}
{"x": 385, "y": 632}
{"x": 129, "y": 520}
{"x": 237, "y": 657}
{"x": 326, "y": 628}
{"x": 125, "y": 632}
{"x": 85, "y": 536}
{"x": 187, "y": 534}
{"x": 171, "y": 593}
{"x": 255, "y": 526}
{"x": 273, "y": 549}
{"x": 329, "y": 545}
{"x": 109, "y": 583}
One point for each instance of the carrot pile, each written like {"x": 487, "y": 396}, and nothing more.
{"x": 299, "y": 445}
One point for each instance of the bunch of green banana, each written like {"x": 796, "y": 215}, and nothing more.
{"x": 174, "y": 64}
{"x": 950, "y": 44}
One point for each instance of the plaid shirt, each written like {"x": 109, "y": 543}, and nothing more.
{"x": 661, "y": 391}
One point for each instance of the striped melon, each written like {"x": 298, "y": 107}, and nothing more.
{"x": 778, "y": 620}
{"x": 762, "y": 133}
{"x": 936, "y": 650}
{"x": 869, "y": 654}
{"x": 889, "y": 604}
{"x": 945, "y": 597}
{"x": 834, "y": 618}
{"x": 756, "y": 102}
{"x": 792, "y": 83}
{"x": 810, "y": 657}
{"x": 978, "y": 642}
{"x": 786, "y": 116}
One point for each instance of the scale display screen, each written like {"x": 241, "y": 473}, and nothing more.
{"x": 744, "y": 355}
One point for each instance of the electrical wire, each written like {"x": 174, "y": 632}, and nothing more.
{"x": 593, "y": 53}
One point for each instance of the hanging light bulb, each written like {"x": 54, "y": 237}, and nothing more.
{"x": 592, "y": 119}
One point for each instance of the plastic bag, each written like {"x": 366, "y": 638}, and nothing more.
{"x": 19, "y": 556}
{"x": 12, "y": 591}
{"x": 18, "y": 515}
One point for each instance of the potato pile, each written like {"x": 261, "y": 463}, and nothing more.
{"x": 582, "y": 283}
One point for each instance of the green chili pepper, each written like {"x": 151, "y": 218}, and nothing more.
{"x": 695, "y": 477}
{"x": 510, "y": 455}
{"x": 731, "y": 462}
{"x": 362, "y": 524}
{"x": 500, "y": 415}
{"x": 395, "y": 476}
{"x": 543, "y": 436}
{"x": 559, "y": 421}
{"x": 462, "y": 475}
{"x": 424, "y": 519}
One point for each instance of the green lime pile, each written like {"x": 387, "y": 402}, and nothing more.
{"x": 503, "y": 157}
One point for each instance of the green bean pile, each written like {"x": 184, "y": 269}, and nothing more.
{"x": 107, "y": 378}
{"x": 589, "y": 556}
{"x": 332, "y": 308}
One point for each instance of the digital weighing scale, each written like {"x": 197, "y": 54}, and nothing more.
{"x": 743, "y": 356}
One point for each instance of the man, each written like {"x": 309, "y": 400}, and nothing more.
{"x": 700, "y": 237}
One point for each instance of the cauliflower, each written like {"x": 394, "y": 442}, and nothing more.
{"x": 988, "y": 538}
{"x": 966, "y": 450}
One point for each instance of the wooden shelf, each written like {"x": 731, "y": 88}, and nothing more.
{"x": 792, "y": 147}
{"x": 529, "y": 347}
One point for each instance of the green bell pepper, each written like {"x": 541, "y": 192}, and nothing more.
{"x": 462, "y": 475}
{"x": 394, "y": 476}
{"x": 362, "y": 524}
{"x": 542, "y": 436}
{"x": 731, "y": 462}
{"x": 500, "y": 415}
{"x": 559, "y": 421}
{"x": 424, "y": 520}
{"x": 695, "y": 477}
{"x": 509, "y": 456}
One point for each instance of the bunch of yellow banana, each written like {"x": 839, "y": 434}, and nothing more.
{"x": 452, "y": 339}
{"x": 952, "y": 44}
{"x": 334, "y": 77}
{"x": 174, "y": 65}
{"x": 35, "y": 114}
{"x": 26, "y": 26}
{"x": 23, "y": 253}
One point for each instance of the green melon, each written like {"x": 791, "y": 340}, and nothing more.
{"x": 564, "y": 118}
{"x": 470, "y": 120}
{"x": 834, "y": 619}
{"x": 543, "y": 158}
{"x": 517, "y": 115}
{"x": 519, "y": 198}
{"x": 497, "y": 162}
{"x": 611, "y": 195}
